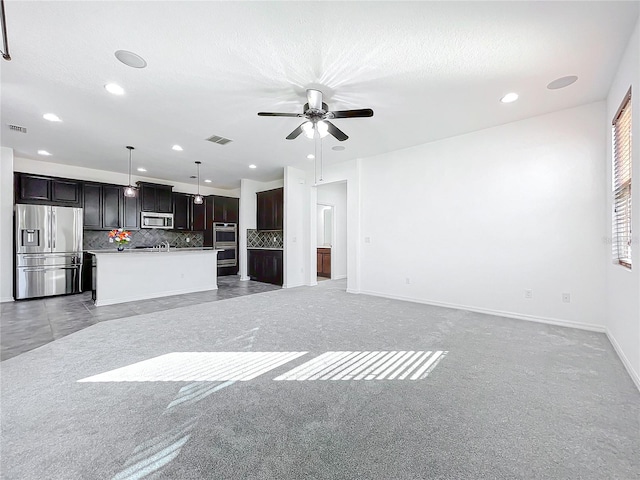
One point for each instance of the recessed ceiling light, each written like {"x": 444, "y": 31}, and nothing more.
{"x": 141, "y": 169}
{"x": 207, "y": 181}
{"x": 338, "y": 148}
{"x": 311, "y": 156}
{"x": 252, "y": 166}
{"x": 177, "y": 148}
{"x": 562, "y": 82}
{"x": 114, "y": 88}
{"x": 52, "y": 117}
{"x": 509, "y": 97}
{"x": 131, "y": 59}
{"x": 44, "y": 152}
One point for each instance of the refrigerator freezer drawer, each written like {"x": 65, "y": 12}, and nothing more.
{"x": 48, "y": 259}
{"x": 34, "y": 282}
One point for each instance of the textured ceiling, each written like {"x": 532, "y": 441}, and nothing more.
{"x": 429, "y": 70}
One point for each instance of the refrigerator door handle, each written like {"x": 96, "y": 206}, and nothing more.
{"x": 54, "y": 226}
{"x": 34, "y": 269}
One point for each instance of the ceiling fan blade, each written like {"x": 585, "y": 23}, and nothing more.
{"x": 363, "y": 112}
{"x": 272, "y": 114}
{"x": 314, "y": 98}
{"x": 335, "y": 131}
{"x": 296, "y": 132}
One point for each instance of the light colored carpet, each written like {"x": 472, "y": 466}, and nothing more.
{"x": 511, "y": 399}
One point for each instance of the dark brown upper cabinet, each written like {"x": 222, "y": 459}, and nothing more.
{"x": 155, "y": 197}
{"x": 199, "y": 223}
{"x": 182, "y": 211}
{"x": 47, "y": 190}
{"x": 131, "y": 213}
{"x": 106, "y": 208}
{"x": 226, "y": 209}
{"x": 270, "y": 209}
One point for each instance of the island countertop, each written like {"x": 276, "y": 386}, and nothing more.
{"x": 147, "y": 251}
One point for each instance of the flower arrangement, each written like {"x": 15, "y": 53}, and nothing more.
{"x": 120, "y": 236}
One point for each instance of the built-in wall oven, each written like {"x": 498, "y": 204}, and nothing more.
{"x": 225, "y": 238}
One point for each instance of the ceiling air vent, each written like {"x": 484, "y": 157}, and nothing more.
{"x": 218, "y": 140}
{"x": 18, "y": 128}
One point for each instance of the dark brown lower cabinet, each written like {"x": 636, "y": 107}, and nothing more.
{"x": 324, "y": 262}
{"x": 265, "y": 266}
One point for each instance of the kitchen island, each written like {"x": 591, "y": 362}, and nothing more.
{"x": 133, "y": 275}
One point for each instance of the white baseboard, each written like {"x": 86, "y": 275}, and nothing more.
{"x": 519, "y": 316}
{"x": 635, "y": 377}
{"x": 339, "y": 277}
{"x": 6, "y": 299}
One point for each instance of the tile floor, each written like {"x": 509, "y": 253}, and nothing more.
{"x": 28, "y": 324}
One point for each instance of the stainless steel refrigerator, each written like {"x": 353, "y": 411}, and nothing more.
{"x": 48, "y": 246}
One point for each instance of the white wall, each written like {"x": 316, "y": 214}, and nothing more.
{"x": 89, "y": 174}
{"x": 472, "y": 221}
{"x": 6, "y": 225}
{"x": 335, "y": 194}
{"x": 248, "y": 216}
{"x": 623, "y": 286}
{"x": 299, "y": 229}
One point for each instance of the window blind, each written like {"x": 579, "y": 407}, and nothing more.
{"x": 621, "y": 144}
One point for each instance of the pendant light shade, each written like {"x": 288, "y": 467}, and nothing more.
{"x": 198, "y": 200}
{"x": 130, "y": 190}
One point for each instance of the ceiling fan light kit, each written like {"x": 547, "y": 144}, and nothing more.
{"x": 317, "y": 115}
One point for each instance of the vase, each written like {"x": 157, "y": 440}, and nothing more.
{"x": 121, "y": 248}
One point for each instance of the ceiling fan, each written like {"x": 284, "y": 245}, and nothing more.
{"x": 317, "y": 116}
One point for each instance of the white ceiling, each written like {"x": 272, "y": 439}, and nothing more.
{"x": 429, "y": 70}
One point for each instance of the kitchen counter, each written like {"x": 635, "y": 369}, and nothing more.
{"x": 138, "y": 274}
{"x": 147, "y": 251}
{"x": 264, "y": 248}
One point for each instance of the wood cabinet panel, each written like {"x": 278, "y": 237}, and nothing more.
{"x": 182, "y": 211}
{"x": 111, "y": 206}
{"x": 270, "y": 209}
{"x": 265, "y": 266}
{"x": 155, "y": 197}
{"x": 92, "y": 207}
{"x": 164, "y": 202}
{"x": 66, "y": 192}
{"x": 130, "y": 213}
{"x": 324, "y": 262}
{"x": 34, "y": 188}
{"x": 43, "y": 190}
{"x": 147, "y": 198}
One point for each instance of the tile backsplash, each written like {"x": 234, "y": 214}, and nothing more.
{"x": 265, "y": 238}
{"x": 148, "y": 237}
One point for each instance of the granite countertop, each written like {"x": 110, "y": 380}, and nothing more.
{"x": 152, "y": 250}
{"x": 265, "y": 248}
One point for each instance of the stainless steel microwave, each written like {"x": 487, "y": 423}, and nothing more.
{"x": 156, "y": 220}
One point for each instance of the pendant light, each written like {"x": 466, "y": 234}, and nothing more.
{"x": 130, "y": 190}
{"x": 198, "y": 198}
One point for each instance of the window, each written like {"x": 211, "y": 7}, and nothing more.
{"x": 621, "y": 154}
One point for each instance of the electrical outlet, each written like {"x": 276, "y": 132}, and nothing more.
{"x": 528, "y": 293}
{"x": 188, "y": 239}
{"x": 407, "y": 280}
{"x": 566, "y": 297}
{"x": 367, "y": 239}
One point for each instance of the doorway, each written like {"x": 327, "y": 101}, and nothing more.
{"x": 331, "y": 231}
